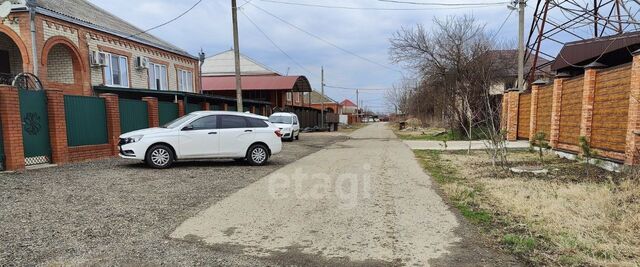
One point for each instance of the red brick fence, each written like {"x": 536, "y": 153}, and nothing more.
{"x": 61, "y": 149}
{"x": 602, "y": 105}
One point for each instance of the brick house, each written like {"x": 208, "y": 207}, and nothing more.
{"x": 79, "y": 46}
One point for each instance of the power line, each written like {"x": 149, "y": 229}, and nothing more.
{"x": 372, "y": 8}
{"x": 324, "y": 40}
{"x": 443, "y": 4}
{"x": 502, "y": 25}
{"x": 354, "y": 88}
{"x": 169, "y": 21}
{"x": 274, "y": 43}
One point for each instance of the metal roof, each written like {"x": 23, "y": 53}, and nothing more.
{"x": 225, "y": 83}
{"x": 583, "y": 52}
{"x": 156, "y": 93}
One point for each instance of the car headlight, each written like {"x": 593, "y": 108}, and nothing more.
{"x": 132, "y": 139}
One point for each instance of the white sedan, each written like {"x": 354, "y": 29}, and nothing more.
{"x": 204, "y": 135}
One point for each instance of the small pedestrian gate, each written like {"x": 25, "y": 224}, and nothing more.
{"x": 35, "y": 126}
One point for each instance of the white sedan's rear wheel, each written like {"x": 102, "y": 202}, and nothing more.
{"x": 257, "y": 155}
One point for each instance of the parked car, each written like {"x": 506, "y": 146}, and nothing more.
{"x": 204, "y": 135}
{"x": 288, "y": 124}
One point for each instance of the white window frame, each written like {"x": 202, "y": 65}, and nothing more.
{"x": 185, "y": 81}
{"x": 154, "y": 77}
{"x": 108, "y": 70}
{"x": 289, "y": 97}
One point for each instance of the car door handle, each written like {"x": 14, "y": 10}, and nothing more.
{"x": 213, "y": 132}
{"x": 248, "y": 131}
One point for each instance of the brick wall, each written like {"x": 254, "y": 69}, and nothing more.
{"x": 60, "y": 65}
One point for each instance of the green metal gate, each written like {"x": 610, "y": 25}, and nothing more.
{"x": 133, "y": 115}
{"x": 192, "y": 107}
{"x": 1, "y": 149}
{"x": 35, "y": 126}
{"x": 167, "y": 112}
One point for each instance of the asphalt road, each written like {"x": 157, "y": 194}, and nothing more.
{"x": 364, "y": 201}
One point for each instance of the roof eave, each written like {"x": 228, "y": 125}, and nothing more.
{"x": 47, "y": 12}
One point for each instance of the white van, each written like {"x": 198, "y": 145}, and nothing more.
{"x": 288, "y": 124}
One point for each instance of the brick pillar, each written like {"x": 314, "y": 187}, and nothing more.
{"x": 11, "y": 128}
{"x": 113, "y": 120}
{"x": 57, "y": 127}
{"x": 632, "y": 151}
{"x": 180, "y": 108}
{"x": 533, "y": 122}
{"x": 588, "y": 94}
{"x": 512, "y": 115}
{"x": 225, "y": 106}
{"x": 152, "y": 111}
{"x": 205, "y": 106}
{"x": 264, "y": 111}
{"x": 555, "y": 110}
{"x": 253, "y": 109}
{"x": 504, "y": 113}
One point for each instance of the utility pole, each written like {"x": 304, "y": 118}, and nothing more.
{"x": 357, "y": 105}
{"x": 236, "y": 52}
{"x": 521, "y": 5}
{"x": 322, "y": 100}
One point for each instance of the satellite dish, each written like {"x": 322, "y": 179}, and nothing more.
{"x": 5, "y": 9}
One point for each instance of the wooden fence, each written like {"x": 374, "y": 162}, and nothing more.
{"x": 601, "y": 106}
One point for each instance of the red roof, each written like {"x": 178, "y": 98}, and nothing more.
{"x": 347, "y": 103}
{"x": 224, "y": 83}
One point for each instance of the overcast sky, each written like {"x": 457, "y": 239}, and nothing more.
{"x": 363, "y": 32}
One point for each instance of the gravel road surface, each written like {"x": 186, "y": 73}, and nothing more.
{"x": 365, "y": 201}
{"x": 118, "y": 212}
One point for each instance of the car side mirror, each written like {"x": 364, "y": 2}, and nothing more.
{"x": 188, "y": 128}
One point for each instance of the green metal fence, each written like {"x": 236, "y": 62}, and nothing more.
{"x": 245, "y": 108}
{"x": 86, "y": 120}
{"x": 192, "y": 107}
{"x": 133, "y": 115}
{"x": 232, "y": 108}
{"x": 1, "y": 150}
{"x": 215, "y": 107}
{"x": 167, "y": 112}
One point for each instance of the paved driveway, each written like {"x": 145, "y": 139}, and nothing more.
{"x": 363, "y": 201}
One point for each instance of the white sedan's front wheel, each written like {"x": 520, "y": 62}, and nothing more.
{"x": 159, "y": 157}
{"x": 257, "y": 155}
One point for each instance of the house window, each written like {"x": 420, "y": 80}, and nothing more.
{"x": 116, "y": 71}
{"x": 288, "y": 96}
{"x": 158, "y": 77}
{"x": 185, "y": 81}
{"x": 297, "y": 97}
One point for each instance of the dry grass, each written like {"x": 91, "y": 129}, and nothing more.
{"x": 568, "y": 219}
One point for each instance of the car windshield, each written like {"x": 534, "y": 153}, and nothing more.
{"x": 179, "y": 121}
{"x": 280, "y": 119}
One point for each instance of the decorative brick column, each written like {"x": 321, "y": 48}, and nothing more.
{"x": 225, "y": 106}
{"x": 253, "y": 109}
{"x": 205, "y": 106}
{"x": 554, "y": 135}
{"x": 632, "y": 151}
{"x": 57, "y": 127}
{"x": 588, "y": 95}
{"x": 11, "y": 128}
{"x": 264, "y": 111}
{"x": 113, "y": 121}
{"x": 504, "y": 113}
{"x": 180, "y": 108}
{"x": 533, "y": 122}
{"x": 512, "y": 115}
{"x": 152, "y": 111}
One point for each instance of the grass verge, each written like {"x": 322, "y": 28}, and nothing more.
{"x": 563, "y": 218}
